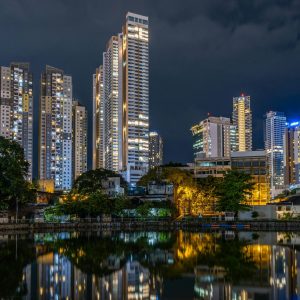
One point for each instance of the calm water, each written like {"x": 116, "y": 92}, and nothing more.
{"x": 151, "y": 265}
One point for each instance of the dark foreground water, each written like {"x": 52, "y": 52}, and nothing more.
{"x": 151, "y": 265}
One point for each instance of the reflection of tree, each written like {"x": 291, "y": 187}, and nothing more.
{"x": 108, "y": 254}
{"x": 210, "y": 249}
{"x": 166, "y": 255}
{"x": 236, "y": 262}
{"x": 13, "y": 258}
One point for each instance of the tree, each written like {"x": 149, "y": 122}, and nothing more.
{"x": 92, "y": 181}
{"x": 182, "y": 181}
{"x": 14, "y": 188}
{"x": 233, "y": 191}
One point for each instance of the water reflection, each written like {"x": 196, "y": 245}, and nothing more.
{"x": 150, "y": 266}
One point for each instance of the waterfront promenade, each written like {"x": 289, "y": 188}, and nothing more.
{"x": 148, "y": 224}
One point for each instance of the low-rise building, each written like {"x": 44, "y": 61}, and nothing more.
{"x": 211, "y": 166}
{"x": 254, "y": 163}
{"x": 112, "y": 186}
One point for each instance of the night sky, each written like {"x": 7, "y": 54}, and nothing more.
{"x": 202, "y": 53}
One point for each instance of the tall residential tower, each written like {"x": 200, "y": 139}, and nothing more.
{"x": 55, "y": 128}
{"x": 121, "y": 102}
{"x": 79, "y": 139}
{"x": 275, "y": 125}
{"x": 112, "y": 105}
{"x": 16, "y": 107}
{"x": 292, "y": 154}
{"x": 155, "y": 150}
{"x": 135, "y": 96}
{"x": 98, "y": 120}
{"x": 242, "y": 119}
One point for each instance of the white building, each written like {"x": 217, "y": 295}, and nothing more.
{"x": 275, "y": 125}
{"x": 55, "y": 130}
{"x": 79, "y": 139}
{"x": 135, "y": 96}
{"x": 98, "y": 120}
{"x": 242, "y": 119}
{"x": 213, "y": 137}
{"x": 113, "y": 105}
{"x": 121, "y": 102}
{"x": 16, "y": 107}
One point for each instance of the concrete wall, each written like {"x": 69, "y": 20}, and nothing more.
{"x": 264, "y": 212}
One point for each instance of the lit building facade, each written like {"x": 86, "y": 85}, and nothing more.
{"x": 121, "y": 102}
{"x": 16, "y": 107}
{"x": 112, "y": 106}
{"x": 155, "y": 150}
{"x": 292, "y": 154}
{"x": 214, "y": 137}
{"x": 98, "y": 120}
{"x": 135, "y": 97}
{"x": 79, "y": 139}
{"x": 254, "y": 163}
{"x": 211, "y": 166}
{"x": 55, "y": 128}
{"x": 275, "y": 125}
{"x": 242, "y": 119}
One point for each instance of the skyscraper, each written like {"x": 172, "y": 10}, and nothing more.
{"x": 135, "y": 96}
{"x": 275, "y": 125}
{"x": 213, "y": 137}
{"x": 16, "y": 107}
{"x": 242, "y": 119}
{"x": 98, "y": 120}
{"x": 55, "y": 128}
{"x": 113, "y": 105}
{"x": 121, "y": 102}
{"x": 155, "y": 150}
{"x": 292, "y": 154}
{"x": 79, "y": 139}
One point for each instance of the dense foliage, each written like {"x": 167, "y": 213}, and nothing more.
{"x": 206, "y": 195}
{"x": 92, "y": 181}
{"x": 233, "y": 191}
{"x": 14, "y": 188}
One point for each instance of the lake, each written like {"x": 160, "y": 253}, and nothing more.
{"x": 151, "y": 265}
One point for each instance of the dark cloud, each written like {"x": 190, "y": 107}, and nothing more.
{"x": 202, "y": 54}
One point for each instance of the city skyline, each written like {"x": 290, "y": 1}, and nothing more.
{"x": 270, "y": 90}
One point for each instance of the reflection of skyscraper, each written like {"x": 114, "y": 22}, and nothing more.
{"x": 136, "y": 281}
{"x": 281, "y": 273}
{"x": 50, "y": 277}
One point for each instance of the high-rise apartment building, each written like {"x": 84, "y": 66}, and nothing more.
{"x": 292, "y": 154}
{"x": 242, "y": 119}
{"x": 55, "y": 128}
{"x": 112, "y": 105}
{"x": 79, "y": 139}
{"x": 121, "y": 102}
{"x": 16, "y": 107}
{"x": 98, "y": 120}
{"x": 135, "y": 96}
{"x": 214, "y": 137}
{"x": 155, "y": 150}
{"x": 275, "y": 125}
